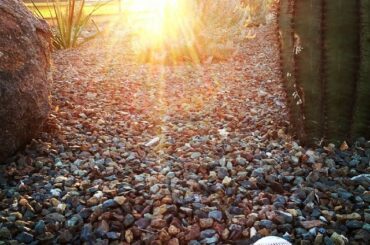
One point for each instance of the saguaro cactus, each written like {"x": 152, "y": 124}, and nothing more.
{"x": 362, "y": 110}
{"x": 286, "y": 35}
{"x": 331, "y": 67}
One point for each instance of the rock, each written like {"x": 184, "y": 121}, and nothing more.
{"x": 258, "y": 172}
{"x": 160, "y": 210}
{"x": 102, "y": 229}
{"x": 362, "y": 179}
{"x": 211, "y": 240}
{"x": 226, "y": 181}
{"x": 344, "y": 194}
{"x": 120, "y": 200}
{"x": 318, "y": 239}
{"x": 24, "y": 237}
{"x": 74, "y": 221}
{"x": 40, "y": 227}
{"x": 93, "y": 201}
{"x": 54, "y": 217}
{"x": 153, "y": 142}
{"x": 173, "y": 230}
{"x": 286, "y": 217}
{"x": 173, "y": 241}
{"x": 56, "y": 192}
{"x": 163, "y": 235}
{"x": 311, "y": 223}
{"x": 236, "y": 210}
{"x": 367, "y": 217}
{"x": 142, "y": 223}
{"x": 5, "y": 233}
{"x": 110, "y": 203}
{"x": 129, "y": 220}
{"x": 113, "y": 235}
{"x": 170, "y": 175}
{"x": 24, "y": 76}
{"x": 193, "y": 233}
{"x": 195, "y": 155}
{"x": 366, "y": 227}
{"x": 225, "y": 234}
{"x": 86, "y": 233}
{"x": 193, "y": 242}
{"x": 129, "y": 236}
{"x": 241, "y": 161}
{"x": 222, "y": 173}
{"x": 158, "y": 223}
{"x": 352, "y": 216}
{"x": 65, "y": 236}
{"x": 366, "y": 197}
{"x": 216, "y": 215}
{"x": 186, "y": 210}
{"x": 205, "y": 223}
{"x": 266, "y": 224}
{"x": 207, "y": 233}
{"x": 328, "y": 241}
{"x": 338, "y": 239}
{"x": 154, "y": 189}
{"x": 354, "y": 224}
{"x": 46, "y": 237}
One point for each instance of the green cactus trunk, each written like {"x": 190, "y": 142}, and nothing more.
{"x": 286, "y": 36}
{"x": 361, "y": 125}
{"x": 341, "y": 46}
{"x": 330, "y": 60}
{"x": 308, "y": 64}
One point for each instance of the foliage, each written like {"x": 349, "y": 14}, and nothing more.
{"x": 220, "y": 28}
{"x": 70, "y": 22}
{"x": 258, "y": 10}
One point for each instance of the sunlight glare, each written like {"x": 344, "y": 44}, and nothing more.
{"x": 160, "y": 23}
{"x": 148, "y": 5}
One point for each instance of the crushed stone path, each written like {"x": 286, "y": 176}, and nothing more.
{"x": 184, "y": 154}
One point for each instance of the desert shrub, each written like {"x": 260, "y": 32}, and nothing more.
{"x": 205, "y": 29}
{"x": 220, "y": 27}
{"x": 70, "y": 21}
{"x": 258, "y": 10}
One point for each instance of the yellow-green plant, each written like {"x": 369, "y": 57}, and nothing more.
{"x": 258, "y": 10}
{"x": 221, "y": 27}
{"x": 69, "y": 20}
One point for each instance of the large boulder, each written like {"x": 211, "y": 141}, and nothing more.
{"x": 24, "y": 76}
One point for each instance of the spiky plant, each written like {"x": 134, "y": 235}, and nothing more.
{"x": 69, "y": 21}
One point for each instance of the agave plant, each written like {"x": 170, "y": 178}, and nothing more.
{"x": 69, "y": 20}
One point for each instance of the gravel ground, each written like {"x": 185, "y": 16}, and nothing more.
{"x": 146, "y": 154}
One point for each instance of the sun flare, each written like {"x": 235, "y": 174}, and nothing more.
{"x": 161, "y": 22}
{"x": 149, "y": 5}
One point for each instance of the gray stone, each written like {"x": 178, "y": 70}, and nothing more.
{"x": 129, "y": 220}
{"x": 216, "y": 215}
{"x": 113, "y": 235}
{"x": 5, "y": 233}
{"x": 55, "y": 217}
{"x": 265, "y": 223}
{"x": 40, "y": 227}
{"x": 208, "y": 233}
{"x": 24, "y": 237}
{"x": 86, "y": 233}
{"x": 354, "y": 224}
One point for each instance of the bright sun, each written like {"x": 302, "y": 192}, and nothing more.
{"x": 150, "y": 5}
{"x": 160, "y": 22}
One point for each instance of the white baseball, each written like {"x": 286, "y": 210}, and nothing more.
{"x": 272, "y": 240}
